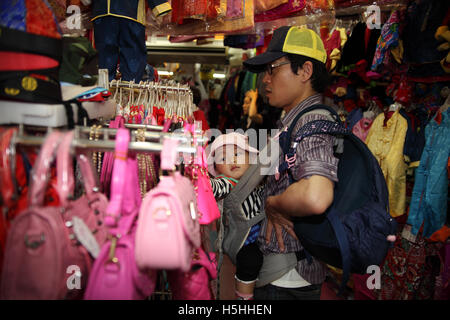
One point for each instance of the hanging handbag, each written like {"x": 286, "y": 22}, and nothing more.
{"x": 14, "y": 176}
{"x": 7, "y": 191}
{"x": 108, "y": 159}
{"x": 194, "y": 284}
{"x": 33, "y": 239}
{"x": 115, "y": 275}
{"x": 44, "y": 259}
{"x": 208, "y": 211}
{"x": 168, "y": 230}
{"x": 90, "y": 208}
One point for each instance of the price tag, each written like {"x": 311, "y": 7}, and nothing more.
{"x": 85, "y": 236}
{"x": 103, "y": 79}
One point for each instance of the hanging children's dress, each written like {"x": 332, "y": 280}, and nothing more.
{"x": 386, "y": 144}
{"x": 429, "y": 197}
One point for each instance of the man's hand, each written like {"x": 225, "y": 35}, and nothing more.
{"x": 277, "y": 220}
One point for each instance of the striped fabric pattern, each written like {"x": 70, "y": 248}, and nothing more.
{"x": 222, "y": 186}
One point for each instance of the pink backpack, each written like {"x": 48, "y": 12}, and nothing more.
{"x": 44, "y": 257}
{"x": 168, "y": 229}
{"x": 115, "y": 275}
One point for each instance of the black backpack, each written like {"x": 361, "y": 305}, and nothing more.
{"x": 352, "y": 233}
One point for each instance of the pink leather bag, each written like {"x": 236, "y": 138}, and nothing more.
{"x": 168, "y": 230}
{"x": 115, "y": 275}
{"x": 90, "y": 207}
{"x": 43, "y": 259}
{"x": 194, "y": 284}
{"x": 208, "y": 210}
{"x": 108, "y": 160}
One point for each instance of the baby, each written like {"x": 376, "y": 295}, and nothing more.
{"x": 229, "y": 158}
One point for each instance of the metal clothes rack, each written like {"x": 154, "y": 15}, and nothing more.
{"x": 149, "y": 135}
{"x": 149, "y": 85}
{"x": 105, "y": 144}
{"x": 360, "y": 9}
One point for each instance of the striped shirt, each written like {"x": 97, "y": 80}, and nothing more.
{"x": 222, "y": 186}
{"x": 251, "y": 207}
{"x": 314, "y": 157}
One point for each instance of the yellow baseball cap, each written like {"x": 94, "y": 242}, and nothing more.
{"x": 295, "y": 40}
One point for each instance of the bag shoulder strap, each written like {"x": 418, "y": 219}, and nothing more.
{"x": 118, "y": 181}
{"x": 314, "y": 109}
{"x": 232, "y": 180}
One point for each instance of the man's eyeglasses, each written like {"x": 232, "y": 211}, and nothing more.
{"x": 270, "y": 67}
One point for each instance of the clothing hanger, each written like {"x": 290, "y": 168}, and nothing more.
{"x": 395, "y": 106}
{"x": 140, "y": 93}
{"x": 119, "y": 108}
{"x": 170, "y": 107}
{"x": 446, "y": 104}
{"x": 150, "y": 98}
{"x": 369, "y": 114}
{"x": 117, "y": 88}
{"x": 130, "y": 102}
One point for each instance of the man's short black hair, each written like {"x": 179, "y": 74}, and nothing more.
{"x": 320, "y": 78}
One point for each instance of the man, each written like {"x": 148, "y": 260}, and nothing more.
{"x": 295, "y": 78}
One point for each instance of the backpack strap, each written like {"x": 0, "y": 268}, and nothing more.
{"x": 310, "y": 110}
{"x": 232, "y": 180}
{"x": 289, "y": 148}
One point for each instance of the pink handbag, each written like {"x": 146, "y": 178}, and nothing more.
{"x": 108, "y": 159}
{"x": 90, "y": 207}
{"x": 194, "y": 284}
{"x": 168, "y": 230}
{"x": 44, "y": 259}
{"x": 208, "y": 211}
{"x": 115, "y": 275}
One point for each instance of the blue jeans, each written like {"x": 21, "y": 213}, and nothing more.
{"x": 271, "y": 292}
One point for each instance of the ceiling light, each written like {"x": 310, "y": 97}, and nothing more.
{"x": 165, "y": 73}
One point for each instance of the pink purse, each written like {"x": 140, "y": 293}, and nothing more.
{"x": 194, "y": 284}
{"x": 115, "y": 275}
{"x": 108, "y": 159}
{"x": 44, "y": 258}
{"x": 208, "y": 210}
{"x": 90, "y": 207}
{"x": 168, "y": 230}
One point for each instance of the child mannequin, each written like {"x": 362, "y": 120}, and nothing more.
{"x": 229, "y": 158}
